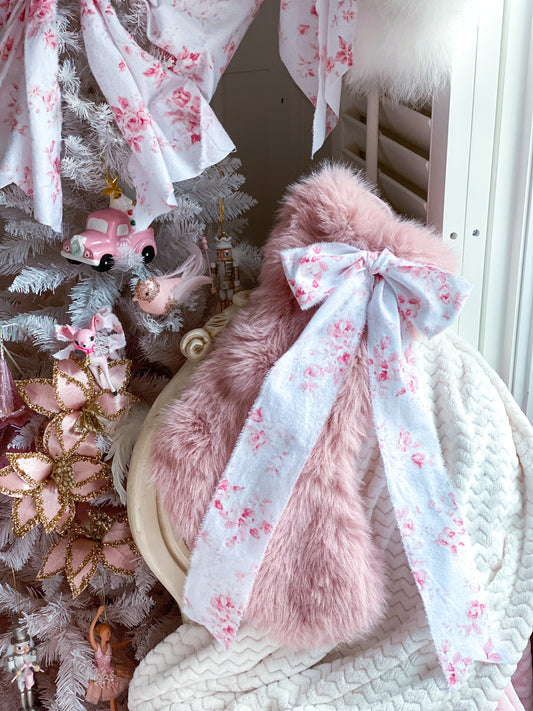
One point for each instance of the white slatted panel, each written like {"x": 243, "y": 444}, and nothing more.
{"x": 403, "y": 151}
{"x": 435, "y": 163}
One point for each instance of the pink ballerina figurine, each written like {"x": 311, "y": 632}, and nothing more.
{"x": 159, "y": 296}
{"x": 111, "y": 679}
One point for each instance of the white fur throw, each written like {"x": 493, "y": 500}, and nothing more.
{"x": 405, "y": 48}
{"x": 487, "y": 445}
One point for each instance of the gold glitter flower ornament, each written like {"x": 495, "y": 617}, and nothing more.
{"x": 79, "y": 408}
{"x": 46, "y": 487}
{"x": 97, "y": 535}
{"x": 47, "y": 484}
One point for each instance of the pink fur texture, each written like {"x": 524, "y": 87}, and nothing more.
{"x": 322, "y": 580}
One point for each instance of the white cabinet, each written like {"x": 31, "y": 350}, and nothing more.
{"x": 463, "y": 163}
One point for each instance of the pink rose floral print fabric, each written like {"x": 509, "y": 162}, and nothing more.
{"x": 30, "y": 111}
{"x": 170, "y": 128}
{"x": 350, "y": 289}
{"x": 202, "y": 35}
{"x": 315, "y": 44}
{"x": 163, "y": 112}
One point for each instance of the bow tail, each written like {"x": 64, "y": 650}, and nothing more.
{"x": 432, "y": 527}
{"x": 30, "y": 116}
{"x": 172, "y": 131}
{"x": 273, "y": 447}
{"x": 315, "y": 45}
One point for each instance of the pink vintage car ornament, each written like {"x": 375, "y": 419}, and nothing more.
{"x": 108, "y": 233}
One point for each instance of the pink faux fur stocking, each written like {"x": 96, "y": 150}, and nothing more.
{"x": 322, "y": 580}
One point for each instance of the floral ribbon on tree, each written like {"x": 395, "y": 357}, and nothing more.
{"x": 315, "y": 43}
{"x": 163, "y": 113}
{"x": 30, "y": 112}
{"x": 353, "y": 290}
{"x": 172, "y": 131}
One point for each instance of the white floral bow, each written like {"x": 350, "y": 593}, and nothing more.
{"x": 387, "y": 295}
{"x": 163, "y": 113}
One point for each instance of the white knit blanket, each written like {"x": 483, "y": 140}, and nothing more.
{"x": 487, "y": 445}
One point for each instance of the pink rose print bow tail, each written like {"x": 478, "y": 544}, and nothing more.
{"x": 315, "y": 44}
{"x": 315, "y": 38}
{"x": 352, "y": 289}
{"x": 30, "y": 111}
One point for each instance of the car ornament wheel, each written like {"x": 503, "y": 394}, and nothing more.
{"x": 148, "y": 254}
{"x": 106, "y": 262}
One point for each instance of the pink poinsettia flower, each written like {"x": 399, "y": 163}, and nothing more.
{"x": 96, "y": 536}
{"x": 46, "y": 488}
{"x": 79, "y": 408}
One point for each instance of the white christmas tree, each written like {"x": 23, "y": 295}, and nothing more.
{"x": 41, "y": 289}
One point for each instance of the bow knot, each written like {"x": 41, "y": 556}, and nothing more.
{"x": 378, "y": 262}
{"x": 426, "y": 296}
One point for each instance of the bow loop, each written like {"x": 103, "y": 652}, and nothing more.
{"x": 315, "y": 272}
{"x": 426, "y": 296}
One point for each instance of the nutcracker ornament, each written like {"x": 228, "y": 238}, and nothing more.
{"x": 225, "y": 272}
{"x": 22, "y": 661}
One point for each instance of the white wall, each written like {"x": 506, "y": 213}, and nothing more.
{"x": 487, "y": 193}
{"x": 498, "y": 194}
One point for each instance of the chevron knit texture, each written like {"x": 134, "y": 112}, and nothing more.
{"x": 487, "y": 445}
{"x": 321, "y": 581}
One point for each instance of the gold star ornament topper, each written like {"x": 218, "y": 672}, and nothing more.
{"x": 112, "y": 189}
